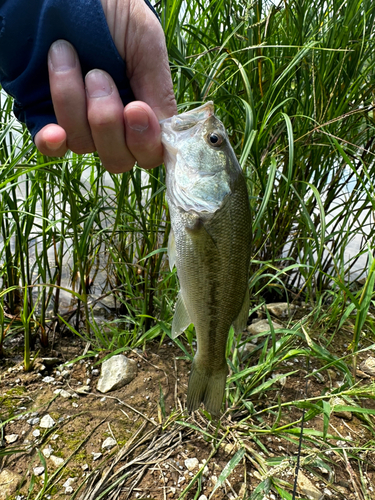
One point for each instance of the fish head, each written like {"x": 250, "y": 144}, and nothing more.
{"x": 200, "y": 162}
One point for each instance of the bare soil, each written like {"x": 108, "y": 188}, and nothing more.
{"x": 153, "y": 441}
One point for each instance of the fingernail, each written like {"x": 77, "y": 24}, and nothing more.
{"x": 137, "y": 119}
{"x": 62, "y": 56}
{"x": 98, "y": 84}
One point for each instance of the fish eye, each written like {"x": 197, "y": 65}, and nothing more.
{"x": 215, "y": 139}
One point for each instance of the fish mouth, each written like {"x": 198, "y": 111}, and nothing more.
{"x": 190, "y": 118}
{"x": 183, "y": 122}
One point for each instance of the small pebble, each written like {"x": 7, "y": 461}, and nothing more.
{"x": 57, "y": 461}
{"x": 47, "y": 422}
{"x": 65, "y": 394}
{"x": 69, "y": 482}
{"x": 191, "y": 463}
{"x": 33, "y": 421}
{"x": 47, "y": 452}
{"x": 38, "y": 471}
{"x": 48, "y": 380}
{"x": 36, "y": 433}
{"x": 109, "y": 443}
{"x": 11, "y": 438}
{"x": 96, "y": 456}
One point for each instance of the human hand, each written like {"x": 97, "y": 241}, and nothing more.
{"x": 90, "y": 113}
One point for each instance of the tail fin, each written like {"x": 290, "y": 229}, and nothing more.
{"x": 206, "y": 386}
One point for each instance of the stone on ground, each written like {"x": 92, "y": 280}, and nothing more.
{"x": 9, "y": 483}
{"x": 116, "y": 372}
{"x": 280, "y": 309}
{"x": 261, "y": 326}
{"x": 368, "y": 366}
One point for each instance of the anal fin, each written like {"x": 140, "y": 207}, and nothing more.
{"x": 171, "y": 250}
{"x": 239, "y": 324}
{"x": 181, "y": 318}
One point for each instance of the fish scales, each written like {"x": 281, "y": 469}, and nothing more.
{"x": 209, "y": 244}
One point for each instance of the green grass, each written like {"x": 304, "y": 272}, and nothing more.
{"x": 294, "y": 84}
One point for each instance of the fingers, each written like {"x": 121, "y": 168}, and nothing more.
{"x": 69, "y": 96}
{"x": 143, "y": 135}
{"x": 121, "y": 136}
{"x": 91, "y": 117}
{"x": 51, "y": 140}
{"x": 105, "y": 115}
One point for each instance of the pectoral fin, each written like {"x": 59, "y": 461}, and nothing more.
{"x": 239, "y": 324}
{"x": 181, "y": 318}
{"x": 171, "y": 250}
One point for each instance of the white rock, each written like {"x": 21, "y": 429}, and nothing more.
{"x": 191, "y": 464}
{"x": 48, "y": 380}
{"x": 202, "y": 497}
{"x": 38, "y": 471}
{"x": 261, "y": 326}
{"x": 65, "y": 373}
{"x": 68, "y": 490}
{"x": 33, "y": 421}
{"x": 9, "y": 483}
{"x": 47, "y": 422}
{"x": 65, "y": 394}
{"x": 109, "y": 443}
{"x": 116, "y": 372}
{"x": 307, "y": 488}
{"x": 85, "y": 467}
{"x": 95, "y": 372}
{"x": 96, "y": 456}
{"x": 213, "y": 479}
{"x": 85, "y": 389}
{"x": 57, "y": 461}
{"x": 336, "y": 401}
{"x": 69, "y": 482}
{"x": 47, "y": 452}
{"x": 36, "y": 433}
{"x": 280, "y": 309}
{"x": 368, "y": 366}
{"x": 11, "y": 438}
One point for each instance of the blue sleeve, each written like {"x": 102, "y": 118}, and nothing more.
{"x": 28, "y": 28}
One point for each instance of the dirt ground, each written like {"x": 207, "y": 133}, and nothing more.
{"x": 153, "y": 440}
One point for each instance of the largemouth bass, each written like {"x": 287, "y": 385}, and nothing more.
{"x": 209, "y": 244}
